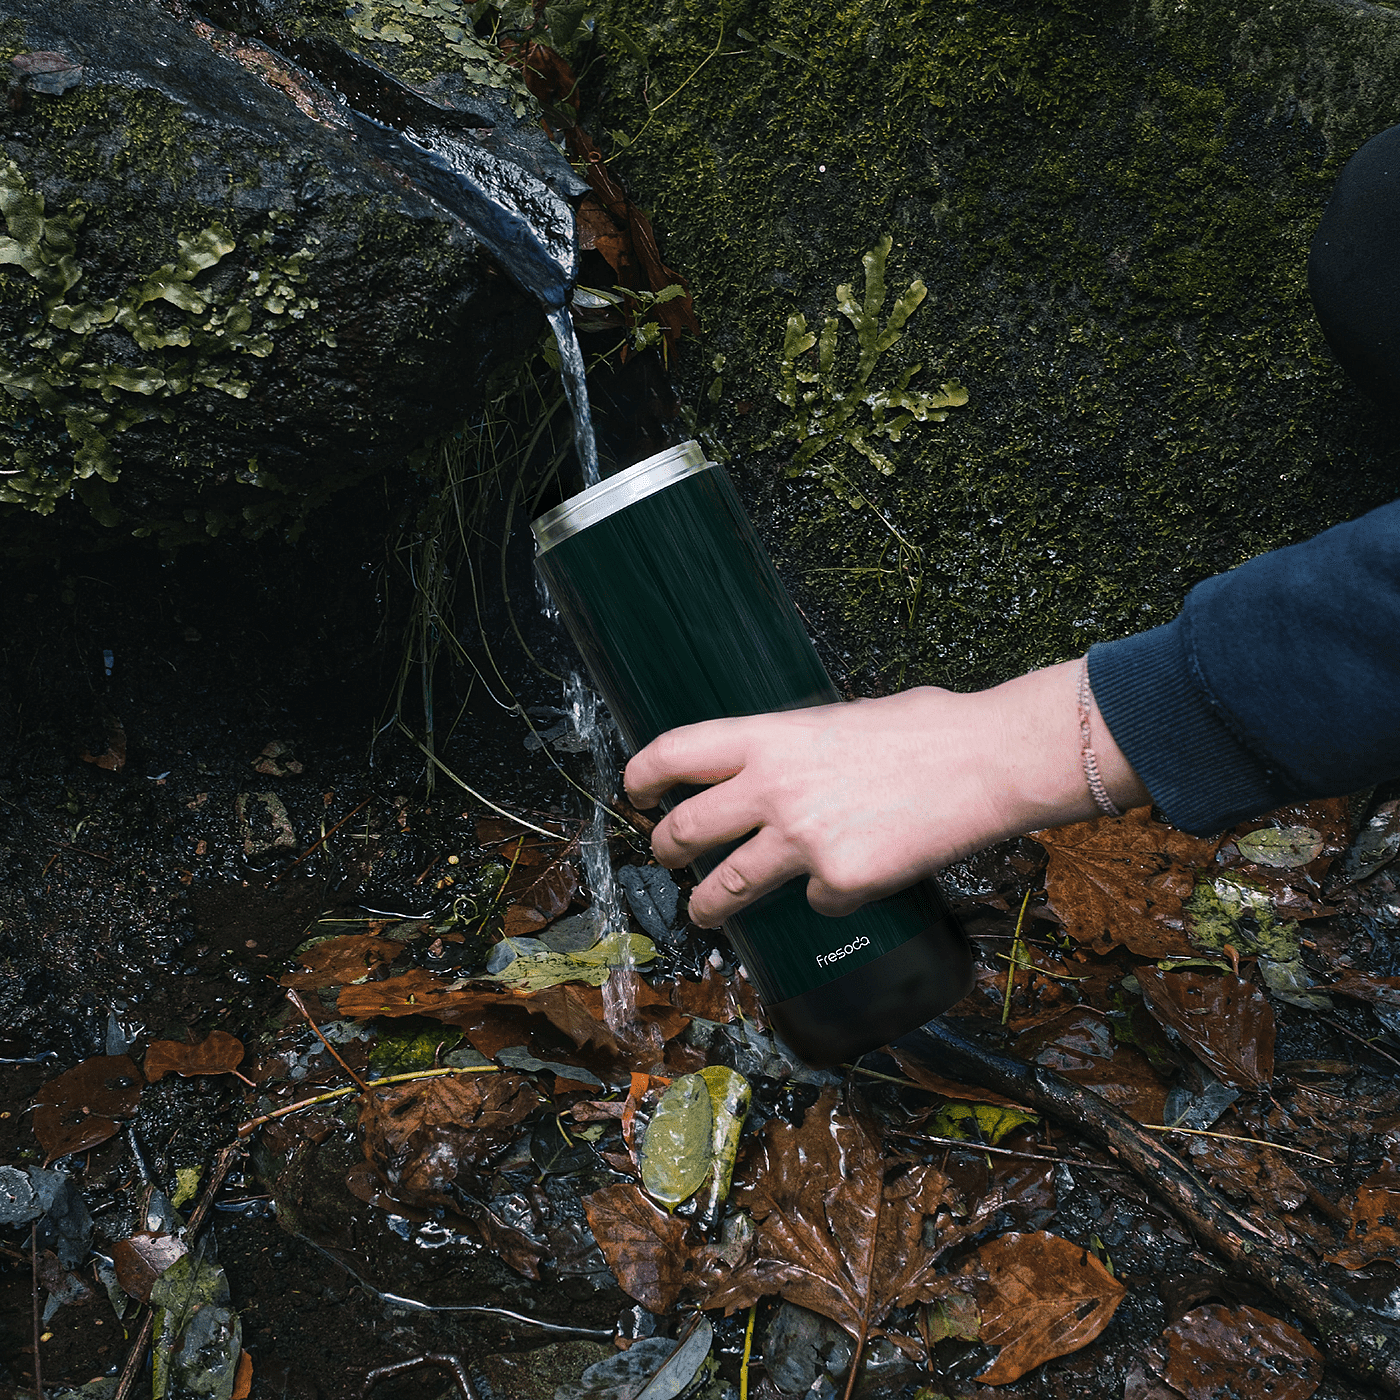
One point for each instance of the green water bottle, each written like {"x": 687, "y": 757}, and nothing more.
{"x": 678, "y": 612}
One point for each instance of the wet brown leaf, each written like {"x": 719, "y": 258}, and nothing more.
{"x": 142, "y": 1258}
{"x": 514, "y": 1247}
{"x": 1375, "y": 1222}
{"x": 1122, "y": 880}
{"x": 822, "y": 1206}
{"x": 1081, "y": 1045}
{"x": 537, "y": 901}
{"x": 48, "y": 71}
{"x": 1219, "y": 1353}
{"x": 339, "y": 962}
{"x": 113, "y": 758}
{"x": 78, "y": 1109}
{"x": 1364, "y": 986}
{"x": 219, "y": 1053}
{"x": 1223, "y": 1019}
{"x": 916, "y": 1070}
{"x": 1040, "y": 1296}
{"x": 643, "y": 1244}
{"x": 242, "y": 1378}
{"x": 428, "y": 1133}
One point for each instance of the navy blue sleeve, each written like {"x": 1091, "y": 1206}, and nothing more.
{"x": 1278, "y": 681}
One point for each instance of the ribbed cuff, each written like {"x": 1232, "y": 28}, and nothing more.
{"x": 1156, "y": 706}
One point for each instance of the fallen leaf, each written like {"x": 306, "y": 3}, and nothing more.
{"x": 1376, "y": 845}
{"x": 1039, "y": 1296}
{"x": 78, "y": 1109}
{"x": 591, "y": 966}
{"x": 926, "y": 1078}
{"x": 978, "y": 1122}
{"x": 142, "y": 1258}
{"x": 1122, "y": 880}
{"x": 113, "y": 758}
{"x": 537, "y": 897}
{"x": 243, "y": 1378}
{"x": 219, "y": 1053}
{"x": 1282, "y": 847}
{"x": 198, "y": 1336}
{"x": 676, "y": 1148}
{"x": 643, "y": 1244}
{"x": 1081, "y": 1044}
{"x": 830, "y": 1226}
{"x": 1365, "y": 986}
{"x": 1225, "y": 1020}
{"x": 1375, "y": 1222}
{"x": 48, "y": 72}
{"x": 429, "y": 1133}
{"x": 1216, "y": 1352}
{"x": 341, "y": 961}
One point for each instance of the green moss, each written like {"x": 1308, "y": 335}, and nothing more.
{"x": 1110, "y": 207}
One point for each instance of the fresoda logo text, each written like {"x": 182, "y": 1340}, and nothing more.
{"x": 824, "y": 958}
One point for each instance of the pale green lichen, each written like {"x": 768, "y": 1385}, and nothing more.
{"x": 93, "y": 369}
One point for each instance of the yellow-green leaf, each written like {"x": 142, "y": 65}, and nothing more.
{"x": 978, "y": 1122}
{"x": 677, "y": 1150}
{"x": 1283, "y": 847}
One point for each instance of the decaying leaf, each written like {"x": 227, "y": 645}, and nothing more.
{"x": 533, "y": 972}
{"x": 1039, "y": 1296}
{"x": 198, "y": 1336}
{"x": 643, "y": 1243}
{"x": 429, "y": 1133}
{"x": 48, "y": 72}
{"x": 1122, "y": 880}
{"x": 113, "y": 757}
{"x": 655, "y": 1368}
{"x": 341, "y": 961}
{"x": 1086, "y": 1046}
{"x": 1225, "y": 1020}
{"x": 218, "y": 1053}
{"x": 79, "y": 1109}
{"x": 978, "y": 1122}
{"x": 1283, "y": 847}
{"x": 1375, "y": 1222}
{"x": 1214, "y": 1352}
{"x": 676, "y": 1149}
{"x": 1376, "y": 845}
{"x": 829, "y": 1225}
{"x": 142, "y": 1258}
{"x": 730, "y": 1095}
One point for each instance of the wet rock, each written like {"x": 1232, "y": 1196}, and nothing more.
{"x": 802, "y": 1347}
{"x": 227, "y": 285}
{"x": 1110, "y": 208}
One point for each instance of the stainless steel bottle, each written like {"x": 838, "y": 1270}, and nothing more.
{"x": 680, "y": 616}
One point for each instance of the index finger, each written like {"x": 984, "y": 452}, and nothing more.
{"x": 700, "y": 754}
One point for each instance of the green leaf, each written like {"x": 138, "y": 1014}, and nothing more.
{"x": 536, "y": 971}
{"x": 730, "y": 1095}
{"x": 979, "y": 1122}
{"x": 677, "y": 1150}
{"x": 1282, "y": 847}
{"x": 198, "y": 1336}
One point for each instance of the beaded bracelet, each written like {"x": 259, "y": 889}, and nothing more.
{"x": 1091, "y": 764}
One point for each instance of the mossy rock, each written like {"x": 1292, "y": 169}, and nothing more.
{"x": 216, "y": 305}
{"x": 1110, "y": 206}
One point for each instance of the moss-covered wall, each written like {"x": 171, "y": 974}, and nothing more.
{"x": 1111, "y": 208}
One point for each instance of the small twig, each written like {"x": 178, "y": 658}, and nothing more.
{"x": 79, "y": 851}
{"x": 887, "y": 1078}
{"x": 1360, "y": 1039}
{"x": 34, "y": 1279}
{"x": 436, "y": 1358}
{"x": 978, "y": 1148}
{"x": 1235, "y": 1137}
{"x": 748, "y": 1351}
{"x": 245, "y": 1128}
{"x": 316, "y": 845}
{"x": 316, "y": 1030}
{"x": 1011, "y": 965}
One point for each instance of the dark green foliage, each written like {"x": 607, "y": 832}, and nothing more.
{"x": 1110, "y": 207}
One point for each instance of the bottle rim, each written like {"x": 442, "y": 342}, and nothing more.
{"x": 615, "y": 493}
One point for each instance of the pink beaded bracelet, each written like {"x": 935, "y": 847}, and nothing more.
{"x": 1091, "y": 764}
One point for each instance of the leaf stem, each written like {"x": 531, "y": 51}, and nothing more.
{"x": 748, "y": 1350}
{"x": 1011, "y": 966}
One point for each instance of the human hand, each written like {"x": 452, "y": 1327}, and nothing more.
{"x": 870, "y": 796}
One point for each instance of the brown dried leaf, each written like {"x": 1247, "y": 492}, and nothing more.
{"x": 1217, "y": 1352}
{"x": 821, "y": 1205}
{"x": 643, "y": 1244}
{"x": 1040, "y": 1296}
{"x": 1081, "y": 1045}
{"x": 113, "y": 758}
{"x": 142, "y": 1258}
{"x": 1122, "y": 880}
{"x": 916, "y": 1070}
{"x": 220, "y": 1053}
{"x": 242, "y": 1378}
{"x": 77, "y": 1110}
{"x": 428, "y": 1133}
{"x": 1223, "y": 1019}
{"x": 1364, "y": 986}
{"x": 1375, "y": 1222}
{"x": 338, "y": 962}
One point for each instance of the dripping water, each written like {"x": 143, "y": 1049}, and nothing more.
{"x": 571, "y": 370}
{"x": 610, "y": 915}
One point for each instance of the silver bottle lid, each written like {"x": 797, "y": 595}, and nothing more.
{"x": 615, "y": 493}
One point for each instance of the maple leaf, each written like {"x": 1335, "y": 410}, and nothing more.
{"x": 1122, "y": 880}
{"x": 1226, "y": 1021}
{"x": 832, "y": 1233}
{"x": 1039, "y": 1296}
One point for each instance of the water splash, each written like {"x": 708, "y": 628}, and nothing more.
{"x": 610, "y": 914}
{"x": 571, "y": 370}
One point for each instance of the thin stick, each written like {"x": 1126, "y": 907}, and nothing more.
{"x": 1011, "y": 965}
{"x": 1361, "y": 1039}
{"x": 245, "y": 1128}
{"x": 34, "y": 1298}
{"x": 887, "y": 1078}
{"x": 748, "y": 1350}
{"x": 310, "y": 1021}
{"x": 316, "y": 845}
{"x": 978, "y": 1148}
{"x": 1235, "y": 1137}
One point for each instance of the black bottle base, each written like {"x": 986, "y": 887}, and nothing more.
{"x": 880, "y": 1001}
